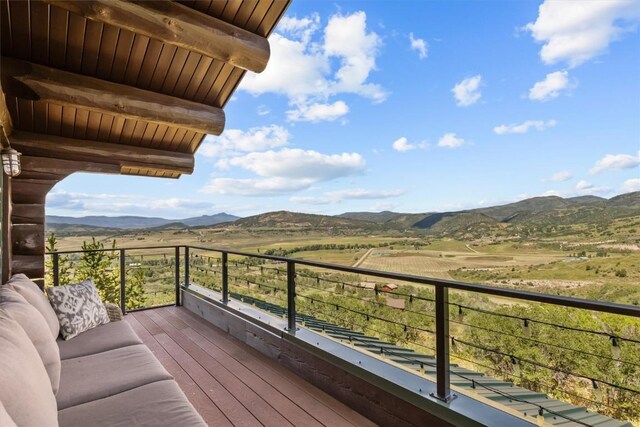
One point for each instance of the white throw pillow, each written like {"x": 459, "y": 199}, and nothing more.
{"x": 78, "y": 307}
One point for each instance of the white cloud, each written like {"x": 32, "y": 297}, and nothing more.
{"x": 419, "y": 45}
{"x": 300, "y": 164}
{"x": 263, "y": 110}
{"x": 467, "y": 92}
{"x": 318, "y": 112}
{"x": 631, "y": 185}
{"x": 338, "y": 196}
{"x": 561, "y": 176}
{"x": 615, "y": 161}
{"x": 524, "y": 127}
{"x": 576, "y": 31}
{"x": 309, "y": 69}
{"x": 550, "y": 87}
{"x": 583, "y": 185}
{"x": 255, "y": 187}
{"x": 236, "y": 141}
{"x": 450, "y": 140}
{"x": 402, "y": 145}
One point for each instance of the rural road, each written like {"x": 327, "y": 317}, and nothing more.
{"x": 472, "y": 250}
{"x": 363, "y": 258}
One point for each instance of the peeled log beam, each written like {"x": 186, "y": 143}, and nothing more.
{"x": 64, "y": 167}
{"x": 39, "y": 83}
{"x": 27, "y": 213}
{"x": 31, "y": 265}
{"x": 179, "y": 25}
{"x": 58, "y": 147}
{"x": 30, "y": 190}
{"x": 27, "y": 239}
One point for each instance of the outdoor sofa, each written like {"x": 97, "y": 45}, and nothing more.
{"x": 105, "y": 376}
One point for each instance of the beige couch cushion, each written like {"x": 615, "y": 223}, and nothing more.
{"x": 36, "y": 328}
{"x": 34, "y": 295}
{"x": 25, "y": 389}
{"x": 103, "y": 338}
{"x": 104, "y": 374}
{"x": 160, "y": 404}
{"x": 5, "y": 419}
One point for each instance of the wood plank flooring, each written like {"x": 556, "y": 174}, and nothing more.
{"x": 230, "y": 383}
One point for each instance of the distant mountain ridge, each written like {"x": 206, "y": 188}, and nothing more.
{"x": 133, "y": 222}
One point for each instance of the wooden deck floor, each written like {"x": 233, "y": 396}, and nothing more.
{"x": 231, "y": 384}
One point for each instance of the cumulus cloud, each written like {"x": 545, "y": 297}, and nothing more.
{"x": 255, "y": 187}
{"x": 631, "y": 185}
{"x": 576, "y": 31}
{"x": 583, "y": 185}
{"x": 236, "y": 141}
{"x": 402, "y": 145}
{"x": 332, "y": 197}
{"x": 467, "y": 92}
{"x": 419, "y": 45}
{"x": 615, "y": 161}
{"x": 550, "y": 87}
{"x": 309, "y": 64}
{"x": 318, "y": 112}
{"x": 450, "y": 140}
{"x": 561, "y": 176}
{"x": 263, "y": 110}
{"x": 524, "y": 127}
{"x": 284, "y": 171}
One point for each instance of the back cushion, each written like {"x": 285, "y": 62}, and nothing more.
{"x": 34, "y": 296}
{"x": 25, "y": 389}
{"x": 36, "y": 328}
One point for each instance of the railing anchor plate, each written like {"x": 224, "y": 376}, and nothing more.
{"x": 445, "y": 399}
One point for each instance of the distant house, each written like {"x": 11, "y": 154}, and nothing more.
{"x": 368, "y": 285}
{"x": 390, "y": 287}
{"x": 396, "y": 303}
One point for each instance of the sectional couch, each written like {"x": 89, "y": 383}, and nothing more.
{"x": 105, "y": 376}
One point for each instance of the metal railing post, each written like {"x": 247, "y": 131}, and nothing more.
{"x": 291, "y": 296}
{"x": 187, "y": 278}
{"x": 225, "y": 278}
{"x": 443, "y": 385}
{"x": 123, "y": 281}
{"x": 56, "y": 269}
{"x": 177, "y": 276}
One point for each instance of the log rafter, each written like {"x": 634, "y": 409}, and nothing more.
{"x": 179, "y": 25}
{"x": 88, "y": 156}
{"x": 37, "y": 82}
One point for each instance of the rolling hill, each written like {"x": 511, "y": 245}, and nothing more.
{"x": 132, "y": 222}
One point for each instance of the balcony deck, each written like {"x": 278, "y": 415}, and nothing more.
{"x": 230, "y": 383}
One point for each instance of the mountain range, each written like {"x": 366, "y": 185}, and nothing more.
{"x": 536, "y": 211}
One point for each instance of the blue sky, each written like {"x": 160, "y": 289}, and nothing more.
{"x": 412, "y": 107}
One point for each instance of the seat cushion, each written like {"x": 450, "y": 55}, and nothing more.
{"x": 78, "y": 307}
{"x": 160, "y": 404}
{"x": 34, "y": 295}
{"x": 101, "y": 375}
{"x": 25, "y": 388}
{"x": 103, "y": 338}
{"x": 36, "y": 328}
{"x": 5, "y": 419}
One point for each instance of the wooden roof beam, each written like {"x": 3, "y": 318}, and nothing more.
{"x": 80, "y": 150}
{"x": 37, "y": 82}
{"x": 179, "y": 25}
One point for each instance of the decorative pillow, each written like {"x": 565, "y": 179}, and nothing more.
{"x": 36, "y": 328}
{"x": 34, "y": 296}
{"x": 25, "y": 389}
{"x": 78, "y": 307}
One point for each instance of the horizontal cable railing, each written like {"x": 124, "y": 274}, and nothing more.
{"x": 420, "y": 317}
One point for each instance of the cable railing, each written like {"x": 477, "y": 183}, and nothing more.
{"x": 420, "y": 313}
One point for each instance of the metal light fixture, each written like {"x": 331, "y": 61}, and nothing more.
{"x": 11, "y": 161}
